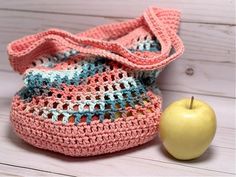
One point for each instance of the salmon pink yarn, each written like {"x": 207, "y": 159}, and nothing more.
{"x": 91, "y": 93}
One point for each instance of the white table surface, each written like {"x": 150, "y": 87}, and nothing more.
{"x": 20, "y": 158}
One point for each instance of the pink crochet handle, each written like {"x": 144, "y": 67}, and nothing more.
{"x": 105, "y": 41}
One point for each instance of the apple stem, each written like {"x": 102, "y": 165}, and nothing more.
{"x": 191, "y": 103}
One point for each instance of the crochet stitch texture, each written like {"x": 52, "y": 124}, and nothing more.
{"x": 89, "y": 93}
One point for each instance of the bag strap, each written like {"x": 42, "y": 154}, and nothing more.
{"x": 167, "y": 37}
{"x": 96, "y": 42}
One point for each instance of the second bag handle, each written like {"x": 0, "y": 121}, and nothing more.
{"x": 23, "y": 51}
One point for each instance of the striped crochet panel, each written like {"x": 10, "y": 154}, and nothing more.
{"x": 70, "y": 90}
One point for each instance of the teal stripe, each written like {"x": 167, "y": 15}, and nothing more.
{"x": 106, "y": 106}
{"x": 54, "y": 78}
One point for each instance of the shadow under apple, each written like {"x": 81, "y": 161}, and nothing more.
{"x": 206, "y": 156}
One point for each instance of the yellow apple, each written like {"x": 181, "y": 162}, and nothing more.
{"x": 187, "y": 128}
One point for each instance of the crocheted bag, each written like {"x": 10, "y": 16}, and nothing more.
{"x": 89, "y": 94}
